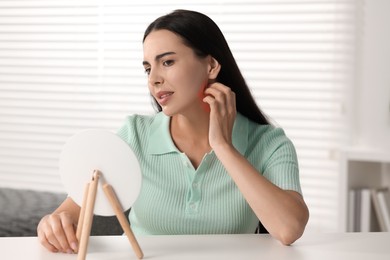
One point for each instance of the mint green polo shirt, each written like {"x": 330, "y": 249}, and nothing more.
{"x": 176, "y": 198}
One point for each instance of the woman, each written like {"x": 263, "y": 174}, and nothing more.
{"x": 211, "y": 162}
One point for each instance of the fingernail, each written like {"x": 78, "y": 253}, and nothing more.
{"x": 74, "y": 246}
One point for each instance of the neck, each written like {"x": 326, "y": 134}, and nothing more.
{"x": 192, "y": 126}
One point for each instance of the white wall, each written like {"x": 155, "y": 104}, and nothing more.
{"x": 373, "y": 76}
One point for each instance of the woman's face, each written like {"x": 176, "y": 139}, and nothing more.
{"x": 176, "y": 76}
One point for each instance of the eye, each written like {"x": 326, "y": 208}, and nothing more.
{"x": 168, "y": 63}
{"x": 147, "y": 71}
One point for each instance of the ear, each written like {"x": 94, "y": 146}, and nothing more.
{"x": 214, "y": 68}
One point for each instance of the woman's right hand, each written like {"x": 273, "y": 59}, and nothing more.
{"x": 57, "y": 232}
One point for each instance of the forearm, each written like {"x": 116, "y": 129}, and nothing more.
{"x": 283, "y": 213}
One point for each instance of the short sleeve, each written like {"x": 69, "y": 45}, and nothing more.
{"x": 280, "y": 160}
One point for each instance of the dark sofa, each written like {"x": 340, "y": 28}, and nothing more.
{"x": 21, "y": 211}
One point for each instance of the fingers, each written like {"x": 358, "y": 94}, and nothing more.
{"x": 221, "y": 98}
{"x": 56, "y": 233}
{"x": 69, "y": 229}
{"x": 46, "y": 234}
{"x": 42, "y": 238}
{"x": 222, "y": 102}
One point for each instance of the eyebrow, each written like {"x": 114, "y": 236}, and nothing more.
{"x": 159, "y": 56}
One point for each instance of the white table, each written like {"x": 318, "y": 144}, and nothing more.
{"x": 343, "y": 246}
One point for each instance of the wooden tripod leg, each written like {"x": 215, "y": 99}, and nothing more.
{"x": 82, "y": 213}
{"x": 88, "y": 216}
{"x": 122, "y": 219}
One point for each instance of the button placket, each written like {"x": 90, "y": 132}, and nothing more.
{"x": 195, "y": 178}
{"x": 186, "y": 161}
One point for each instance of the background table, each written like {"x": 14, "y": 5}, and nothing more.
{"x": 337, "y": 246}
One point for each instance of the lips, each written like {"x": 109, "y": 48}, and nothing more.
{"x": 164, "y": 96}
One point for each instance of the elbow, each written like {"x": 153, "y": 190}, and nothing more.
{"x": 293, "y": 230}
{"x": 289, "y": 237}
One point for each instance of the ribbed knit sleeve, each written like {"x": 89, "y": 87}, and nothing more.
{"x": 275, "y": 157}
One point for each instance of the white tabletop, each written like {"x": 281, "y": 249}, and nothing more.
{"x": 341, "y": 246}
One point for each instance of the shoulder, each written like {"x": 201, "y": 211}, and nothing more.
{"x": 267, "y": 135}
{"x": 270, "y": 143}
{"x": 139, "y": 120}
{"x": 136, "y": 126}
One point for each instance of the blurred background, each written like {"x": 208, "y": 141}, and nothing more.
{"x": 318, "y": 68}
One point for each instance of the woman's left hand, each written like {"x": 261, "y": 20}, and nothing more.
{"x": 222, "y": 101}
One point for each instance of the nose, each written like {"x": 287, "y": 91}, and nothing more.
{"x": 155, "y": 78}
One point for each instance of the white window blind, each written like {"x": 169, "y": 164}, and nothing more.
{"x": 72, "y": 65}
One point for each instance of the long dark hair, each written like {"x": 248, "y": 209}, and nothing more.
{"x": 201, "y": 34}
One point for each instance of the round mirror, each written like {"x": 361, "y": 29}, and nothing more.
{"x": 100, "y": 150}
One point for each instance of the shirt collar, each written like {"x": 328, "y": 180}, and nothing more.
{"x": 160, "y": 141}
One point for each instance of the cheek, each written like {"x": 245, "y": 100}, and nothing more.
{"x": 190, "y": 81}
{"x": 150, "y": 88}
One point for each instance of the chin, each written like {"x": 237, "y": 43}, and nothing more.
{"x": 167, "y": 111}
